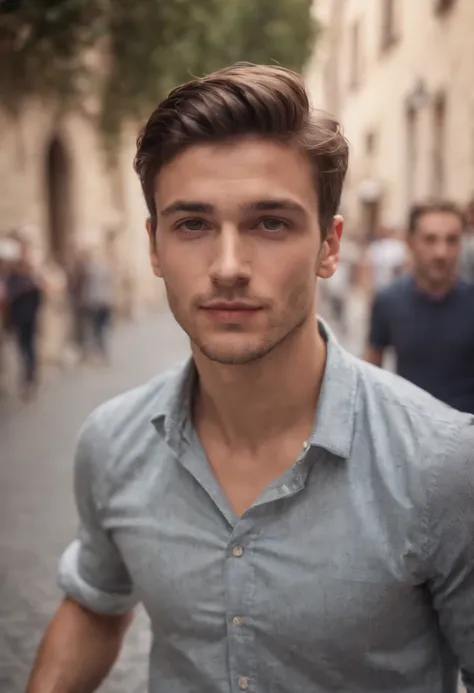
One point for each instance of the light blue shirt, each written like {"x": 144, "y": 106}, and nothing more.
{"x": 353, "y": 571}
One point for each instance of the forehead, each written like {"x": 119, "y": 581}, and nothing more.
{"x": 439, "y": 223}
{"x": 232, "y": 172}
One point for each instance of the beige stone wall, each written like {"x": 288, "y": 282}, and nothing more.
{"x": 98, "y": 200}
{"x": 432, "y": 50}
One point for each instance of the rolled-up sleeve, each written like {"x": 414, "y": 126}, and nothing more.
{"x": 91, "y": 570}
{"x": 450, "y": 548}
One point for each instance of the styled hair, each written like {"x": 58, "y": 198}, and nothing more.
{"x": 238, "y": 101}
{"x": 444, "y": 206}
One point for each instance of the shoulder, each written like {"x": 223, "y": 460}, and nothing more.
{"x": 410, "y": 409}
{"x": 120, "y": 430}
{"x": 465, "y": 292}
{"x": 135, "y": 407}
{"x": 406, "y": 423}
{"x": 418, "y": 447}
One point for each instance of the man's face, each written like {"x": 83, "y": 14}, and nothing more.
{"x": 238, "y": 245}
{"x": 436, "y": 245}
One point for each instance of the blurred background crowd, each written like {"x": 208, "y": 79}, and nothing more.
{"x": 76, "y": 80}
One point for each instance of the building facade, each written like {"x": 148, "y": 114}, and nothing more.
{"x": 58, "y": 191}
{"x": 399, "y": 74}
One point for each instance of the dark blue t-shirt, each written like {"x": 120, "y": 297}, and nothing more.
{"x": 433, "y": 339}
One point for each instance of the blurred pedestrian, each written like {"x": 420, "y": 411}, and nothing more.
{"x": 24, "y": 292}
{"x": 9, "y": 253}
{"x": 75, "y": 273}
{"x": 337, "y": 289}
{"x": 385, "y": 260}
{"x": 291, "y": 518}
{"x": 427, "y": 317}
{"x": 97, "y": 303}
{"x": 467, "y": 248}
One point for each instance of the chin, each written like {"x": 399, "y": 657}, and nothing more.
{"x": 234, "y": 353}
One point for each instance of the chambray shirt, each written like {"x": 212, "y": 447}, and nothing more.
{"x": 353, "y": 571}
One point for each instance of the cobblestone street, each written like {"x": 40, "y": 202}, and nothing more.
{"x": 37, "y": 516}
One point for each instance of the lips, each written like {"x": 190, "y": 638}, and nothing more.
{"x": 230, "y": 306}
{"x": 229, "y": 311}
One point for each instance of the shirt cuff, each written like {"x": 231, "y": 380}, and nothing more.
{"x": 74, "y": 586}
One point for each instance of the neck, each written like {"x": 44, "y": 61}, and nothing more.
{"x": 438, "y": 290}
{"x": 246, "y": 405}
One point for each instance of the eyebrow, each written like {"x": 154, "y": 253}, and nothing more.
{"x": 270, "y": 205}
{"x": 274, "y": 205}
{"x": 187, "y": 206}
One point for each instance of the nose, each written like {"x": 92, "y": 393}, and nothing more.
{"x": 441, "y": 250}
{"x": 229, "y": 266}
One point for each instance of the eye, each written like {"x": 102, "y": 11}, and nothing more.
{"x": 193, "y": 225}
{"x": 273, "y": 225}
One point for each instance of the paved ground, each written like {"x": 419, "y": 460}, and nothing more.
{"x": 37, "y": 516}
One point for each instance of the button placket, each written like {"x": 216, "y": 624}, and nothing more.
{"x": 243, "y": 683}
{"x": 238, "y": 551}
{"x": 239, "y": 586}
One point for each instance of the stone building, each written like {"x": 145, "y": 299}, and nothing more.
{"x": 57, "y": 189}
{"x": 399, "y": 74}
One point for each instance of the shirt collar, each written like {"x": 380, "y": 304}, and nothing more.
{"x": 335, "y": 415}
{"x": 334, "y": 422}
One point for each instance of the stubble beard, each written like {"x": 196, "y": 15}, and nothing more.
{"x": 278, "y": 332}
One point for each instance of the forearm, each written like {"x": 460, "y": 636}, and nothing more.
{"x": 77, "y": 651}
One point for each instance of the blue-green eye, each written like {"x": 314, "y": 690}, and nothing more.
{"x": 192, "y": 225}
{"x": 273, "y": 225}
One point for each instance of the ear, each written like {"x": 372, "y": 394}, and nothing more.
{"x": 328, "y": 259}
{"x": 153, "y": 249}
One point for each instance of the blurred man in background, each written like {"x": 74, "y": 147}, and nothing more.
{"x": 337, "y": 289}
{"x": 427, "y": 316}
{"x": 467, "y": 248}
{"x": 24, "y": 291}
{"x": 385, "y": 260}
{"x": 96, "y": 302}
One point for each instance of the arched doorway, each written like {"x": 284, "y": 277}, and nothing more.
{"x": 59, "y": 201}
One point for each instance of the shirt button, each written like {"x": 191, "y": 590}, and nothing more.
{"x": 238, "y": 621}
{"x": 237, "y": 551}
{"x": 306, "y": 446}
{"x": 243, "y": 683}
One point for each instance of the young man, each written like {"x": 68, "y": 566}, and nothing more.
{"x": 427, "y": 315}
{"x": 291, "y": 518}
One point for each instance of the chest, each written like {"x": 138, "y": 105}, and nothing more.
{"x": 432, "y": 332}
{"x": 303, "y": 571}
{"x": 243, "y": 478}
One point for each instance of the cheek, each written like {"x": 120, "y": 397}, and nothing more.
{"x": 295, "y": 277}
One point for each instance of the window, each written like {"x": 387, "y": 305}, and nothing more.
{"x": 439, "y": 133}
{"x": 355, "y": 66}
{"x": 389, "y": 29}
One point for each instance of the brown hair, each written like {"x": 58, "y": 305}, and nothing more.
{"x": 443, "y": 206}
{"x": 240, "y": 100}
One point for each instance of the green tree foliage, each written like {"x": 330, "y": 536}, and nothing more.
{"x": 151, "y": 45}
{"x": 42, "y": 43}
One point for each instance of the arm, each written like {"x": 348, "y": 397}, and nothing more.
{"x": 379, "y": 330}
{"x": 449, "y": 548}
{"x": 84, "y": 637}
{"x": 92, "y": 641}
